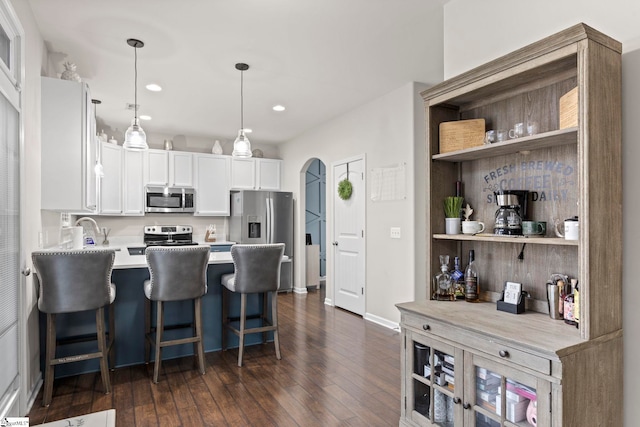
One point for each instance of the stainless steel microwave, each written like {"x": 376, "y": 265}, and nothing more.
{"x": 169, "y": 199}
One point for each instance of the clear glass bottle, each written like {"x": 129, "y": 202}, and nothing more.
{"x": 471, "y": 282}
{"x": 443, "y": 289}
{"x": 458, "y": 279}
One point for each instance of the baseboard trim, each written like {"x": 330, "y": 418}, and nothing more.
{"x": 381, "y": 321}
{"x": 297, "y": 290}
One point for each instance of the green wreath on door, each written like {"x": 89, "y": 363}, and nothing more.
{"x": 345, "y": 189}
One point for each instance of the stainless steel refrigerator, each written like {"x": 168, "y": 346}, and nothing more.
{"x": 264, "y": 217}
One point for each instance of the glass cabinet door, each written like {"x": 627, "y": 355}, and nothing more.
{"x": 434, "y": 390}
{"x": 498, "y": 396}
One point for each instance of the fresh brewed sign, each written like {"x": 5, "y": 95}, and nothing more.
{"x": 546, "y": 180}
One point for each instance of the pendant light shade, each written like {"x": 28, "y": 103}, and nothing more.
{"x": 134, "y": 137}
{"x": 241, "y": 146}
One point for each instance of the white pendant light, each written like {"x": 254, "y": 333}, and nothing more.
{"x": 134, "y": 137}
{"x": 241, "y": 146}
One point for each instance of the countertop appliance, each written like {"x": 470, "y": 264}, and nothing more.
{"x": 264, "y": 217}
{"x": 160, "y": 199}
{"x": 511, "y": 213}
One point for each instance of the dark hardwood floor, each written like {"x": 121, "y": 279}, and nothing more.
{"x": 336, "y": 370}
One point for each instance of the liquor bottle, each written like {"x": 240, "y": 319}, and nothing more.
{"x": 457, "y": 276}
{"x": 471, "y": 282}
{"x": 569, "y": 305}
{"x": 443, "y": 289}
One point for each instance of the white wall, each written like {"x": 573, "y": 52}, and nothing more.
{"x": 475, "y": 32}
{"x": 385, "y": 131}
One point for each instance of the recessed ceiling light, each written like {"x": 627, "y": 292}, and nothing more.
{"x": 278, "y": 108}
{"x": 143, "y": 117}
{"x": 247, "y": 130}
{"x": 153, "y": 87}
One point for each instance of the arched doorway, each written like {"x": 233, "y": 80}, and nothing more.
{"x": 315, "y": 217}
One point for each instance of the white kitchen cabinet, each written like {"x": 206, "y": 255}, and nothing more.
{"x": 133, "y": 183}
{"x": 69, "y": 147}
{"x": 211, "y": 179}
{"x": 157, "y": 167}
{"x": 268, "y": 174}
{"x": 169, "y": 168}
{"x": 255, "y": 174}
{"x": 111, "y": 182}
{"x": 180, "y": 169}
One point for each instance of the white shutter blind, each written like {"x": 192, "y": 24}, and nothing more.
{"x": 9, "y": 244}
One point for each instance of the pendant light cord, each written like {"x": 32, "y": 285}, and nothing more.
{"x": 135, "y": 83}
{"x": 242, "y": 101}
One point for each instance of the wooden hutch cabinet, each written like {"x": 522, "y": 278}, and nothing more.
{"x": 468, "y": 364}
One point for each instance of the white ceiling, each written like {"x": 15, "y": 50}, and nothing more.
{"x": 319, "y": 58}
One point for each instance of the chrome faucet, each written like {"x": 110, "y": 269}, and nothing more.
{"x": 92, "y": 221}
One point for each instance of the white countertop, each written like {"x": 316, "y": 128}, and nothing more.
{"x": 125, "y": 260}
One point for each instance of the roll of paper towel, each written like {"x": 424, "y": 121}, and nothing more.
{"x": 77, "y": 237}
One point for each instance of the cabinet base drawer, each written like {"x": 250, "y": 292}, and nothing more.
{"x": 477, "y": 342}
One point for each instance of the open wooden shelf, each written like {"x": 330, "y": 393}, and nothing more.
{"x": 554, "y": 138}
{"x": 486, "y": 237}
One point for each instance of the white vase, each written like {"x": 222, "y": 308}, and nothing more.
{"x": 452, "y": 225}
{"x": 217, "y": 148}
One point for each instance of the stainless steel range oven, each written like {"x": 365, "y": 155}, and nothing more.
{"x": 165, "y": 235}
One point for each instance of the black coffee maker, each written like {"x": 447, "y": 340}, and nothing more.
{"x": 511, "y": 213}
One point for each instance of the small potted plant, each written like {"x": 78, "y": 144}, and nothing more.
{"x": 452, "y": 206}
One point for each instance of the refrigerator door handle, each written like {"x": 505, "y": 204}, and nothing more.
{"x": 269, "y": 219}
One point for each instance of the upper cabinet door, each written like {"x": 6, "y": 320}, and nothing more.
{"x": 180, "y": 169}
{"x": 133, "y": 185}
{"x": 211, "y": 176}
{"x": 68, "y": 150}
{"x": 243, "y": 174}
{"x": 157, "y": 166}
{"x": 268, "y": 172}
{"x": 111, "y": 182}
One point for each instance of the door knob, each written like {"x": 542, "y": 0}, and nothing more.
{"x": 26, "y": 271}
{"x": 457, "y": 400}
{"x": 335, "y": 243}
{"x": 466, "y": 405}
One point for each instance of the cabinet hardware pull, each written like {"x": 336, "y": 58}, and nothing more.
{"x": 466, "y": 405}
{"x": 503, "y": 353}
{"x": 457, "y": 400}
{"x": 426, "y": 327}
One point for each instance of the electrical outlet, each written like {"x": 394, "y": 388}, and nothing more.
{"x": 395, "y": 232}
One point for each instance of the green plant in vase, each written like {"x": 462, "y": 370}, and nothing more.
{"x": 452, "y": 207}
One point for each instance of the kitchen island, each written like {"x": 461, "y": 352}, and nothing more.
{"x": 129, "y": 274}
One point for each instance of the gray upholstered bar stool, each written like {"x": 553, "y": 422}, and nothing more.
{"x": 257, "y": 270}
{"x": 72, "y": 281}
{"x": 177, "y": 273}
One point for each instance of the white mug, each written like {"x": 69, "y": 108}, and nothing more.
{"x": 472, "y": 227}
{"x": 570, "y": 227}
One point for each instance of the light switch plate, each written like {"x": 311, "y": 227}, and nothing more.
{"x": 395, "y": 232}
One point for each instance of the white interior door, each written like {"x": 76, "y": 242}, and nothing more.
{"x": 348, "y": 237}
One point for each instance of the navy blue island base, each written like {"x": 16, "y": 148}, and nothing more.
{"x": 129, "y": 314}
